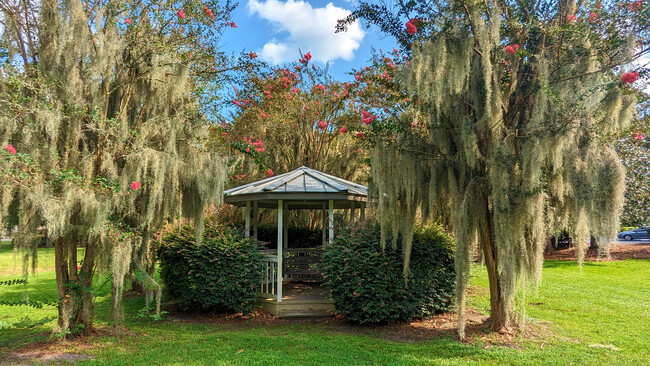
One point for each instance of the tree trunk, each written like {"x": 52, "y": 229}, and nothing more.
{"x": 498, "y": 319}
{"x": 74, "y": 287}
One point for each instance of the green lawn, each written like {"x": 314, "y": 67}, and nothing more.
{"x": 602, "y": 303}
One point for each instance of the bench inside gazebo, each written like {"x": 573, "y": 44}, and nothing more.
{"x": 291, "y": 286}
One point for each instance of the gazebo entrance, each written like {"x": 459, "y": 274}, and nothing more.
{"x": 284, "y": 290}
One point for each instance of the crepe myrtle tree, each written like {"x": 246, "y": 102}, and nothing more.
{"x": 102, "y": 137}
{"x": 523, "y": 101}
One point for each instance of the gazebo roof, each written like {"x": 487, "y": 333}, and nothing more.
{"x": 304, "y": 188}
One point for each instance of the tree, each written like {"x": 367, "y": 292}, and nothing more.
{"x": 103, "y": 140}
{"x": 635, "y": 153}
{"x": 296, "y": 115}
{"x": 522, "y": 100}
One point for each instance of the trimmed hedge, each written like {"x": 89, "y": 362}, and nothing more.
{"x": 366, "y": 282}
{"x": 221, "y": 274}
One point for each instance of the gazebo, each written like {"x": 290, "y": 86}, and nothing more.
{"x": 300, "y": 189}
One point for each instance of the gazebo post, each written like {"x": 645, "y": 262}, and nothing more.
{"x": 247, "y": 212}
{"x": 279, "y": 272}
{"x": 324, "y": 212}
{"x": 362, "y": 212}
{"x": 285, "y": 227}
{"x": 331, "y": 221}
{"x": 352, "y": 211}
{"x": 255, "y": 214}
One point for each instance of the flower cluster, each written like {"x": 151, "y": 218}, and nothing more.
{"x": 512, "y": 49}
{"x": 135, "y": 185}
{"x": 306, "y": 58}
{"x": 367, "y": 117}
{"x": 322, "y": 125}
{"x": 410, "y": 27}
{"x": 629, "y": 77}
{"x": 10, "y": 149}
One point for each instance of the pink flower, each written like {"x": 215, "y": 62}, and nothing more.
{"x": 308, "y": 56}
{"x": 252, "y": 55}
{"x": 181, "y": 13}
{"x": 10, "y": 149}
{"x": 208, "y": 12}
{"x": 135, "y": 186}
{"x": 322, "y": 125}
{"x": 359, "y": 134}
{"x": 637, "y": 136}
{"x": 78, "y": 268}
{"x": 127, "y": 21}
{"x": 571, "y": 18}
{"x": 636, "y": 5}
{"x": 269, "y": 172}
{"x": 410, "y": 28}
{"x": 593, "y": 17}
{"x": 343, "y": 129}
{"x": 233, "y": 25}
{"x": 224, "y": 134}
{"x": 630, "y": 77}
{"x": 390, "y": 64}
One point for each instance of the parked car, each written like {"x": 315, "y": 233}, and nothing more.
{"x": 639, "y": 233}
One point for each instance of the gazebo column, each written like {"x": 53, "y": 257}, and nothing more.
{"x": 285, "y": 227}
{"x": 331, "y": 221}
{"x": 247, "y": 212}
{"x": 279, "y": 271}
{"x": 324, "y": 211}
{"x": 352, "y": 211}
{"x": 362, "y": 212}
{"x": 255, "y": 214}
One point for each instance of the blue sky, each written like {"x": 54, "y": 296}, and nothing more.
{"x": 277, "y": 29}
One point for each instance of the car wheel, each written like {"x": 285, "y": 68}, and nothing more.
{"x": 627, "y": 237}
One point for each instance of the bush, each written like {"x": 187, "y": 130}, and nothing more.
{"x": 367, "y": 285}
{"x": 299, "y": 237}
{"x": 221, "y": 274}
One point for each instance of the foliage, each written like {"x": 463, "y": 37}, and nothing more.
{"x": 520, "y": 102}
{"x": 291, "y": 116}
{"x": 103, "y": 140}
{"x": 635, "y": 155}
{"x": 365, "y": 280}
{"x": 220, "y": 273}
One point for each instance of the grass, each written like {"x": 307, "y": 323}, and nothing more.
{"x": 602, "y": 303}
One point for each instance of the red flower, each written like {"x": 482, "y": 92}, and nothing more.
{"x": 359, "y": 134}
{"x": 10, "y": 149}
{"x": 308, "y": 56}
{"x": 343, "y": 129}
{"x": 510, "y": 50}
{"x": 224, "y": 134}
{"x": 410, "y": 28}
{"x": 252, "y": 55}
{"x": 208, "y": 12}
{"x": 127, "y": 21}
{"x": 233, "y": 25}
{"x": 181, "y": 13}
{"x": 269, "y": 172}
{"x": 637, "y": 136}
{"x": 593, "y": 17}
{"x": 136, "y": 185}
{"x": 630, "y": 77}
{"x": 322, "y": 125}
{"x": 571, "y": 18}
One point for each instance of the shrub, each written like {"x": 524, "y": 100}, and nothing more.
{"x": 221, "y": 274}
{"x": 367, "y": 284}
{"x": 299, "y": 236}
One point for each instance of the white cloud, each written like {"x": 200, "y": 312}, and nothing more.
{"x": 308, "y": 29}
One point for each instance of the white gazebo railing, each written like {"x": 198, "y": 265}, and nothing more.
{"x": 297, "y": 265}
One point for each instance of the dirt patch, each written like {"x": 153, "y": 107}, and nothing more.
{"x": 56, "y": 351}
{"x": 618, "y": 251}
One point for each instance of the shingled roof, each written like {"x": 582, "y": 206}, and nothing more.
{"x": 303, "y": 188}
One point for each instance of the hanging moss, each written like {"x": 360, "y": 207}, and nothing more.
{"x": 519, "y": 151}
{"x": 106, "y": 106}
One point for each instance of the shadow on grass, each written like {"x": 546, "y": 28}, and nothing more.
{"x": 568, "y": 264}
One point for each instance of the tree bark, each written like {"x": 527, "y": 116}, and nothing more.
{"x": 498, "y": 318}
{"x": 75, "y": 309}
